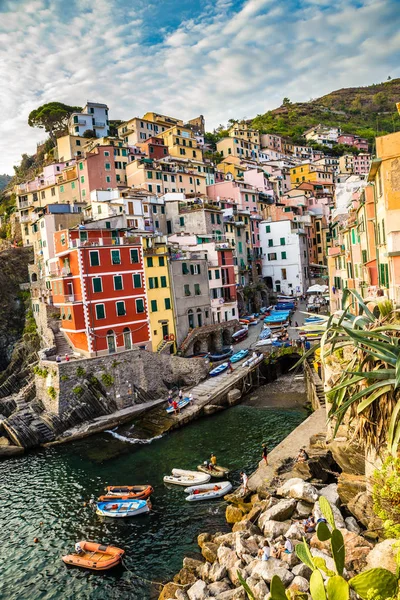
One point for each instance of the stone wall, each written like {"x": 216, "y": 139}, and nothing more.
{"x": 314, "y": 387}
{"x": 125, "y": 379}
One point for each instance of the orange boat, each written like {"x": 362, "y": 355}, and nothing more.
{"x": 127, "y": 492}
{"x": 95, "y": 556}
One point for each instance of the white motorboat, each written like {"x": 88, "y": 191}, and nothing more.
{"x": 208, "y": 491}
{"x": 187, "y": 478}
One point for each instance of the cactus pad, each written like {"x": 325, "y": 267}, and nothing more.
{"x": 317, "y": 588}
{"x": 381, "y": 580}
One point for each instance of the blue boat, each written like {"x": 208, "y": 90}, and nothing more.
{"x": 218, "y": 370}
{"x": 314, "y": 320}
{"x": 226, "y": 353}
{"x": 266, "y": 333}
{"x": 181, "y": 404}
{"x": 122, "y": 508}
{"x": 285, "y": 306}
{"x": 239, "y": 355}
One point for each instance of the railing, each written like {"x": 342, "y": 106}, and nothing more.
{"x": 105, "y": 241}
{"x": 69, "y": 298}
{"x": 99, "y": 124}
{"x": 25, "y": 219}
{"x": 24, "y": 204}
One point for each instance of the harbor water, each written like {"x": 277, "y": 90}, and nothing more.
{"x": 46, "y": 495}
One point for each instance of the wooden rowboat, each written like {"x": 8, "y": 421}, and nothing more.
{"x": 95, "y": 556}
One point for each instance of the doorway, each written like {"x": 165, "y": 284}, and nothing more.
{"x": 165, "y": 331}
{"x": 111, "y": 342}
{"x": 127, "y": 339}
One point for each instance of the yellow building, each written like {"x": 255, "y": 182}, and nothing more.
{"x": 159, "y": 295}
{"x": 313, "y": 173}
{"x": 233, "y": 165}
{"x": 70, "y": 146}
{"x": 244, "y": 132}
{"x": 181, "y": 143}
{"x": 162, "y": 178}
{"x": 242, "y": 148}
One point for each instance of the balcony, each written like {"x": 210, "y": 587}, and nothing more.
{"x": 99, "y": 124}
{"x": 24, "y": 204}
{"x": 25, "y": 219}
{"x": 68, "y": 299}
{"x": 223, "y": 246}
{"x": 105, "y": 241}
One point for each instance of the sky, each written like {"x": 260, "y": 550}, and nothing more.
{"x": 220, "y": 58}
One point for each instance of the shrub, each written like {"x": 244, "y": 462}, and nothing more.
{"x": 78, "y": 390}
{"x": 386, "y": 496}
{"x": 80, "y": 372}
{"x": 64, "y": 377}
{"x": 41, "y": 372}
{"x": 107, "y": 379}
{"x": 52, "y": 392}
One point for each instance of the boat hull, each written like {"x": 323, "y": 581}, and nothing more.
{"x": 181, "y": 404}
{"x": 186, "y": 478}
{"x": 208, "y": 491}
{"x": 126, "y": 492}
{"x": 218, "y": 370}
{"x": 119, "y": 509}
{"x": 239, "y": 356}
{"x": 95, "y": 557}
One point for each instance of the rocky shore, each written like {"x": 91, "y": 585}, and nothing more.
{"x": 275, "y": 512}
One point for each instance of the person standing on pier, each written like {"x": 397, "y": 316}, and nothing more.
{"x": 245, "y": 481}
{"x": 265, "y": 453}
{"x": 230, "y": 368}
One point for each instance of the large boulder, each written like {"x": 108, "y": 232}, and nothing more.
{"x": 225, "y": 538}
{"x": 281, "y": 511}
{"x": 246, "y": 525}
{"x": 352, "y": 525}
{"x": 168, "y": 591}
{"x": 295, "y": 532}
{"x": 330, "y": 492}
{"x": 245, "y": 544}
{"x": 180, "y": 594}
{"x": 304, "y": 509}
{"x": 274, "y": 529}
{"x": 266, "y": 570}
{"x": 291, "y": 559}
{"x": 192, "y": 564}
{"x": 349, "y": 486}
{"x": 209, "y": 551}
{"x": 349, "y": 456}
{"x": 202, "y": 538}
{"x": 298, "y": 489}
{"x": 233, "y": 514}
{"x": 233, "y": 571}
{"x": 198, "y": 591}
{"x": 339, "y": 520}
{"x": 258, "y": 587}
{"x": 218, "y": 587}
{"x": 384, "y": 555}
{"x": 185, "y": 577}
{"x": 361, "y": 506}
{"x": 226, "y": 557}
{"x": 237, "y": 594}
{"x": 356, "y": 547}
{"x": 299, "y": 584}
{"x": 217, "y": 572}
{"x": 302, "y": 570}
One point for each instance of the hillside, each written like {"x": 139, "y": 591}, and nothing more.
{"x": 365, "y": 111}
{"x": 4, "y": 179}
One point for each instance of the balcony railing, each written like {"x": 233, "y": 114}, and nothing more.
{"x": 69, "y": 298}
{"x": 25, "y": 219}
{"x": 105, "y": 241}
{"x": 99, "y": 124}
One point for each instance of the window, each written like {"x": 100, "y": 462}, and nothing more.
{"x": 186, "y": 289}
{"x": 153, "y": 282}
{"x": 115, "y": 257}
{"x": 272, "y": 256}
{"x": 197, "y": 291}
{"x": 219, "y": 219}
{"x": 118, "y": 283}
{"x": 43, "y": 194}
{"x": 53, "y": 190}
{"x": 364, "y": 256}
{"x": 107, "y": 166}
{"x": 106, "y": 153}
{"x": 217, "y": 274}
{"x": 185, "y": 269}
{"x": 134, "y": 255}
{"x": 163, "y": 281}
{"x": 137, "y": 280}
{"x": 149, "y": 175}
{"x": 270, "y": 243}
{"x": 100, "y": 311}
{"x": 121, "y": 311}
{"x": 94, "y": 258}
{"x": 167, "y": 303}
{"x": 150, "y": 187}
{"x": 182, "y": 221}
{"x": 268, "y": 229}
{"x": 81, "y": 166}
{"x": 283, "y": 256}
{"x": 283, "y": 241}
{"x": 97, "y": 285}
{"x": 153, "y": 305}
{"x": 161, "y": 261}
{"x": 283, "y": 273}
{"x": 212, "y": 218}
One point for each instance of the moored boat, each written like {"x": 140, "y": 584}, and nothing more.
{"x": 208, "y": 491}
{"x": 253, "y": 361}
{"x": 185, "y": 478}
{"x": 215, "y": 471}
{"x": 226, "y": 353}
{"x": 97, "y": 557}
{"x": 127, "y": 492}
{"x": 218, "y": 370}
{"x": 181, "y": 404}
{"x": 239, "y": 356}
{"x": 240, "y": 335}
{"x": 122, "y": 508}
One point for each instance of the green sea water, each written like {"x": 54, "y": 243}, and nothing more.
{"x": 44, "y": 495}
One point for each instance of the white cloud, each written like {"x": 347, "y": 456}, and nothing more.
{"x": 221, "y": 63}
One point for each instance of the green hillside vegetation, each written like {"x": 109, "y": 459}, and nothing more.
{"x": 4, "y": 180}
{"x": 365, "y": 111}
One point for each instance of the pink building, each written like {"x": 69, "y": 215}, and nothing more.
{"x": 350, "y": 139}
{"x": 361, "y": 164}
{"x": 100, "y": 171}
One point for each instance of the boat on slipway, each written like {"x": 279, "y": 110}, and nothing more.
{"x": 185, "y": 478}
{"x": 215, "y": 357}
{"x": 240, "y": 335}
{"x": 239, "y": 356}
{"x": 208, "y": 491}
{"x": 218, "y": 370}
{"x": 181, "y": 404}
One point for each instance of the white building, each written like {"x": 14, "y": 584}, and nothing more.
{"x": 284, "y": 256}
{"x": 94, "y": 117}
{"x": 324, "y": 135}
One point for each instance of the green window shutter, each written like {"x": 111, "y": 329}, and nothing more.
{"x": 163, "y": 281}
{"x": 217, "y": 274}
{"x": 115, "y": 257}
{"x": 185, "y": 269}
{"x": 118, "y": 282}
{"x": 219, "y": 219}
{"x": 181, "y": 221}
{"x": 120, "y": 309}
{"x": 94, "y": 258}
{"x": 283, "y": 241}
{"x": 150, "y": 261}
{"x": 100, "y": 312}
{"x": 267, "y": 229}
{"x": 167, "y": 303}
{"x": 137, "y": 280}
{"x": 81, "y": 166}
{"x": 97, "y": 286}
{"x": 364, "y": 256}
{"x": 151, "y": 283}
{"x": 161, "y": 261}
{"x": 283, "y": 255}
{"x": 240, "y": 247}
{"x": 270, "y": 243}
{"x": 212, "y": 218}
{"x": 139, "y": 306}
{"x": 154, "y": 306}
{"x": 134, "y": 255}
{"x": 209, "y": 275}
{"x": 197, "y": 291}
{"x": 149, "y": 175}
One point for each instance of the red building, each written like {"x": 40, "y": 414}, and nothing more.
{"x": 154, "y": 148}
{"x": 100, "y": 289}
{"x": 102, "y": 168}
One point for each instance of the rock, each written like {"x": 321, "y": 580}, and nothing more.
{"x": 185, "y": 577}
{"x": 203, "y": 538}
{"x": 330, "y": 563}
{"x": 246, "y": 525}
{"x": 339, "y": 520}
{"x": 233, "y": 514}
{"x": 383, "y": 555}
{"x": 192, "y": 564}
{"x": 218, "y": 587}
{"x": 318, "y": 441}
{"x": 266, "y": 571}
{"x": 273, "y": 529}
{"x": 198, "y": 591}
{"x": 302, "y": 570}
{"x": 168, "y": 591}
{"x": 281, "y": 511}
{"x": 237, "y": 594}
{"x": 225, "y": 538}
{"x": 304, "y": 509}
{"x": 299, "y": 584}
{"x": 330, "y": 492}
{"x": 256, "y": 511}
{"x": 361, "y": 506}
{"x": 298, "y": 489}
{"x": 349, "y": 486}
{"x": 204, "y": 571}
{"x": 181, "y": 595}
{"x": 302, "y": 471}
{"x": 209, "y": 551}
{"x": 356, "y": 547}
{"x": 233, "y": 572}
{"x": 352, "y": 525}
{"x": 217, "y": 572}
{"x": 295, "y": 532}
{"x": 291, "y": 559}
{"x": 258, "y": 587}
{"x": 245, "y": 545}
{"x": 349, "y": 456}
{"x": 226, "y": 557}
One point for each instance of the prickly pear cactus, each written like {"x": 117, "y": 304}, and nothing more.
{"x": 327, "y": 511}
{"x": 381, "y": 580}
{"x": 317, "y": 588}
{"x": 338, "y": 550}
{"x": 304, "y": 554}
{"x": 277, "y": 588}
{"x": 323, "y": 532}
{"x": 337, "y": 588}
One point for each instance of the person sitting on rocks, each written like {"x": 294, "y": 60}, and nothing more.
{"x": 265, "y": 552}
{"x": 302, "y": 456}
{"x": 310, "y": 525}
{"x": 288, "y": 547}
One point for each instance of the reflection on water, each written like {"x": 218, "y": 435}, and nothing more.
{"x": 47, "y": 495}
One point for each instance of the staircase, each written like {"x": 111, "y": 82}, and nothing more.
{"x": 62, "y": 345}
{"x": 163, "y": 345}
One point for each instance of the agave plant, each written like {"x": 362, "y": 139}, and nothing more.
{"x": 367, "y": 391}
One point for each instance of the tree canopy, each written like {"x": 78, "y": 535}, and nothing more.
{"x": 52, "y": 117}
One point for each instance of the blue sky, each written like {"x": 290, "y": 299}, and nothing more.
{"x": 221, "y": 58}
